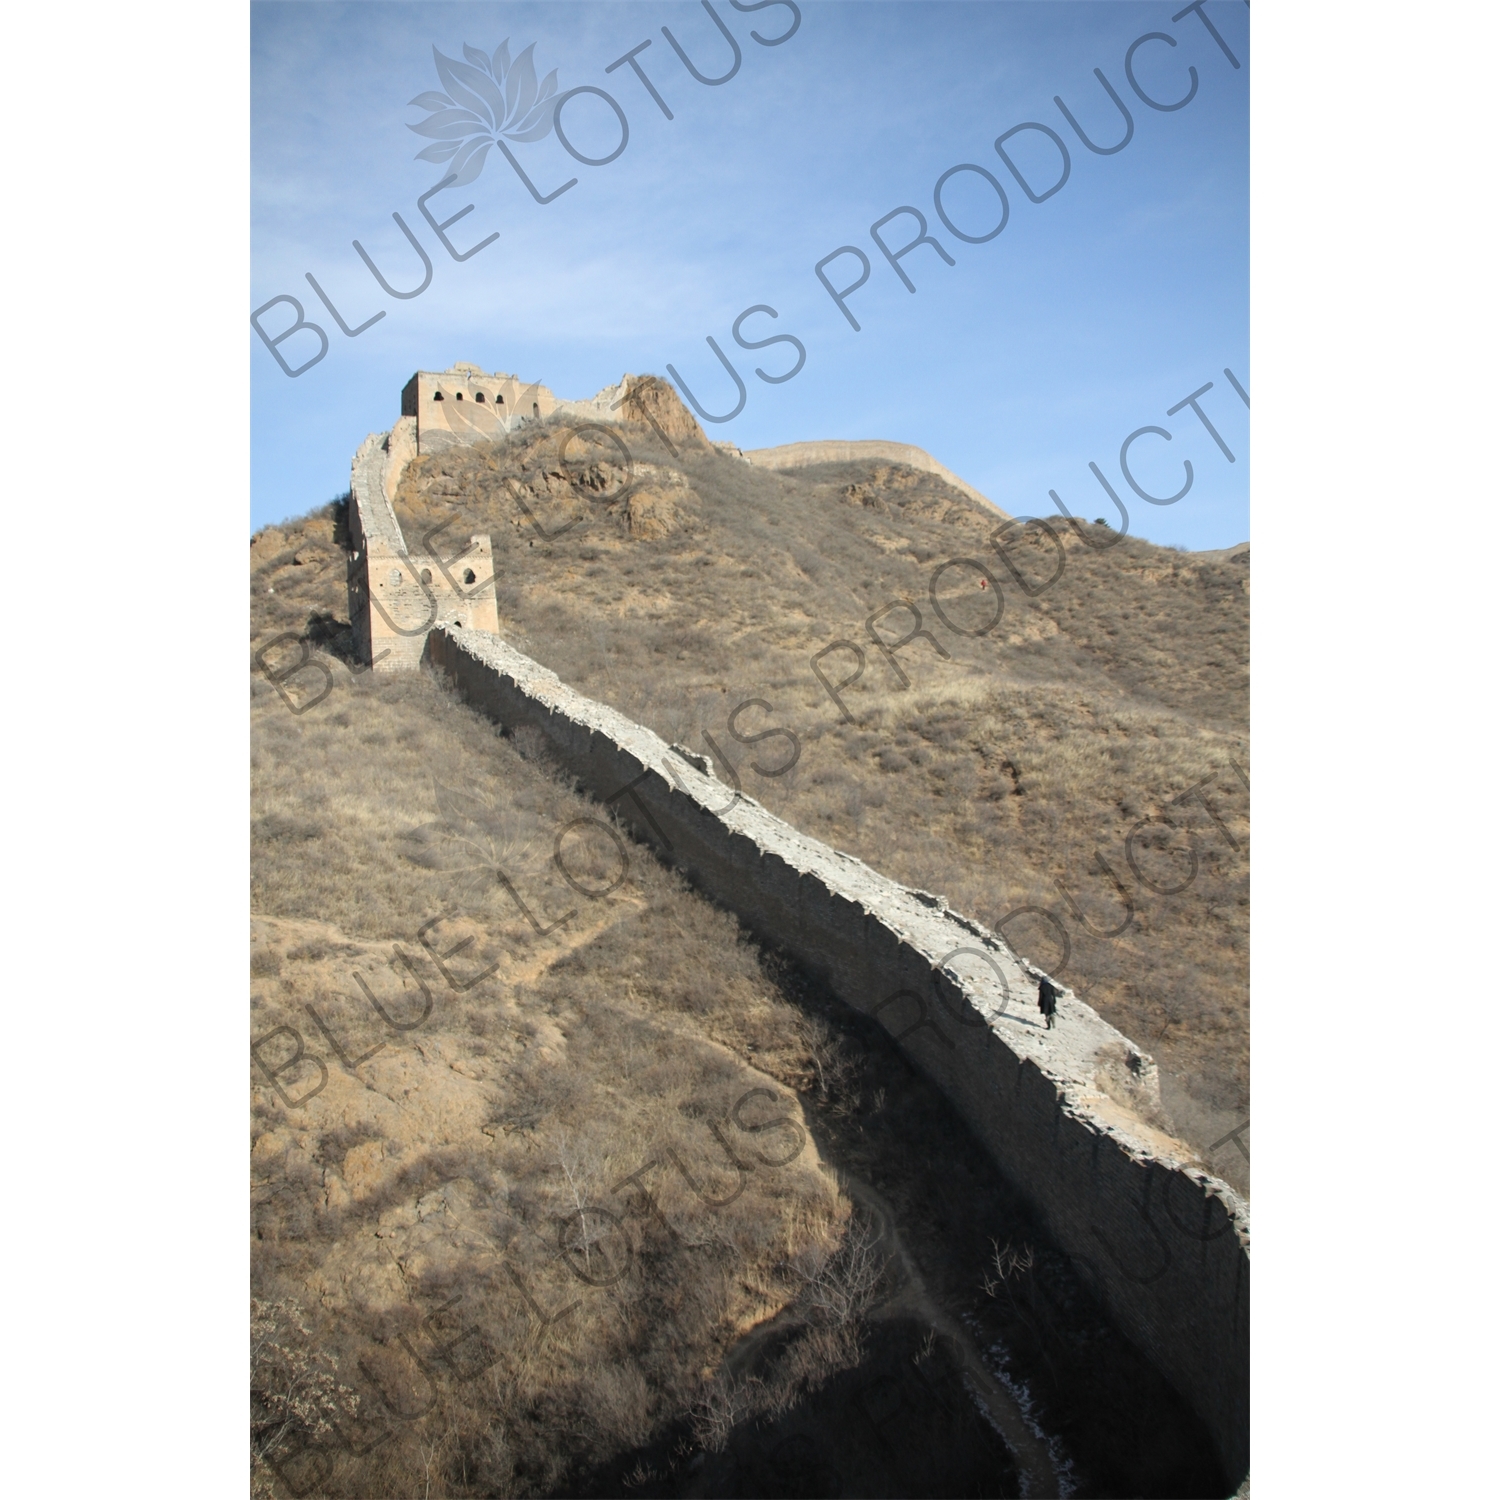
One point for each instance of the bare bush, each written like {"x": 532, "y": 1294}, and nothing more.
{"x": 721, "y": 1408}
{"x": 295, "y": 1393}
{"x": 814, "y": 1357}
{"x": 841, "y": 1285}
{"x": 1009, "y": 1263}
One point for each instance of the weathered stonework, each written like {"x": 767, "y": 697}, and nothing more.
{"x": 462, "y": 405}
{"x": 395, "y": 595}
{"x": 1164, "y": 1243}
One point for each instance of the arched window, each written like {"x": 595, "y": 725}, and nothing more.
{"x": 437, "y": 395}
{"x": 479, "y": 395}
{"x": 468, "y": 575}
{"x": 499, "y": 399}
{"x": 536, "y": 410}
{"x": 460, "y": 395}
{"x": 426, "y": 575}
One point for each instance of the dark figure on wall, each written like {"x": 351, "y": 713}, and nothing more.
{"x": 1046, "y": 1000}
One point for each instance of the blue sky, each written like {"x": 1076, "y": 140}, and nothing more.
{"x": 1038, "y": 352}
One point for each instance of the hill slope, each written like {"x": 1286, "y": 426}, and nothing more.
{"x": 1030, "y": 760}
{"x": 527, "y": 1206}
{"x": 1074, "y": 770}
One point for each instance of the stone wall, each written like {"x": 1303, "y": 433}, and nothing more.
{"x": 1066, "y": 1114}
{"x": 875, "y": 450}
{"x": 397, "y": 595}
{"x": 400, "y": 449}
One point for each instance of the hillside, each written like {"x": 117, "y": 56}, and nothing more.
{"x": 615, "y": 1202}
{"x": 1004, "y": 762}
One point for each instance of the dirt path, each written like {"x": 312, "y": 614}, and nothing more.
{"x": 910, "y": 1299}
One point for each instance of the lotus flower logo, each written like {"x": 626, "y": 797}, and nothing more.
{"x": 488, "y": 97}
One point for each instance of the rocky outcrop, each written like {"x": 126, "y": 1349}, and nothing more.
{"x": 651, "y": 401}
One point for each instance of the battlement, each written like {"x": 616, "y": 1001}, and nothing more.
{"x": 463, "y": 405}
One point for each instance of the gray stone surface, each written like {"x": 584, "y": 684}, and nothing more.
{"x": 371, "y": 517}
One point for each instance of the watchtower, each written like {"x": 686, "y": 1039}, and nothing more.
{"x": 463, "y": 404}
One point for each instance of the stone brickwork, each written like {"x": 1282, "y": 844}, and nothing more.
{"x": 1164, "y": 1244}
{"x": 396, "y": 596}
{"x": 462, "y": 405}
{"x": 400, "y": 449}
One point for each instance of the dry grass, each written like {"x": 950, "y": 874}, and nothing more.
{"x": 525, "y": 1229}
{"x": 530, "y": 1207}
{"x": 1007, "y": 771}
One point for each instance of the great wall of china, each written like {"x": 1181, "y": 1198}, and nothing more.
{"x": 1067, "y": 1115}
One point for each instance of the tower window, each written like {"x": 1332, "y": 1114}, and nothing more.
{"x": 479, "y": 395}
{"x": 499, "y": 399}
{"x": 468, "y": 575}
{"x": 460, "y": 395}
{"x": 536, "y": 410}
{"x": 437, "y": 395}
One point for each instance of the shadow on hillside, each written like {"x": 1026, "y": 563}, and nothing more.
{"x": 326, "y": 632}
{"x": 900, "y": 1423}
{"x": 902, "y": 1419}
